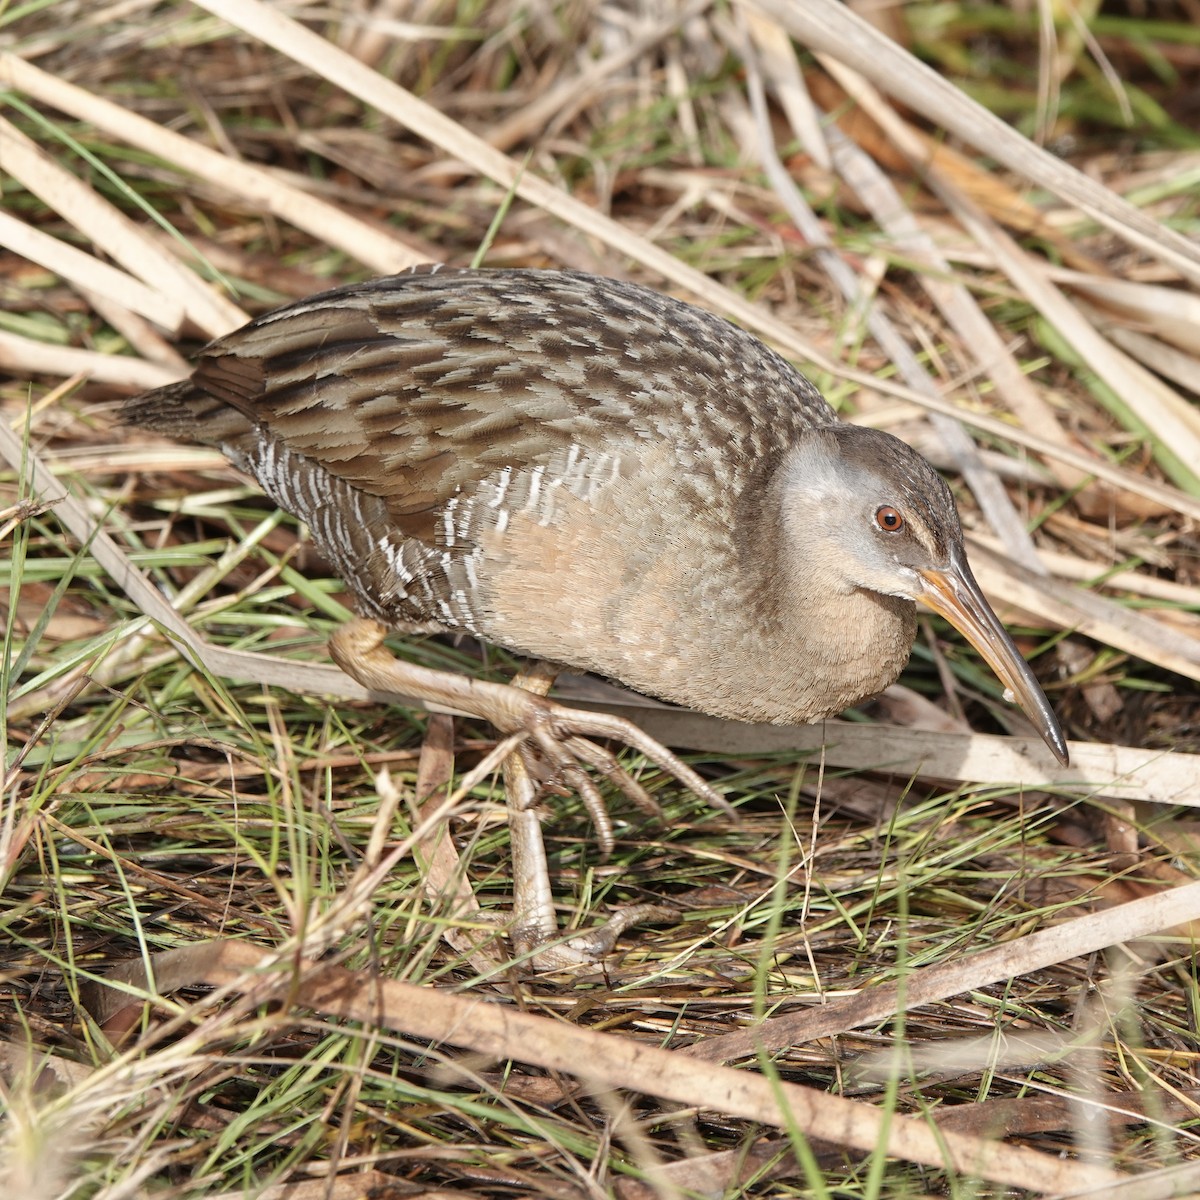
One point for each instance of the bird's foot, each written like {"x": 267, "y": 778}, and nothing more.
{"x": 558, "y": 740}
{"x": 589, "y": 947}
{"x": 556, "y": 747}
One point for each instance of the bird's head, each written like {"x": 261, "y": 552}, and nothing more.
{"x": 864, "y": 511}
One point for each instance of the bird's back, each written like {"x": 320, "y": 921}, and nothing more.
{"x": 419, "y": 384}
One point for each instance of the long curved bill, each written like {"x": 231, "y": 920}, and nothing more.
{"x": 954, "y": 594}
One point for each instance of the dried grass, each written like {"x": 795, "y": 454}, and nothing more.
{"x": 941, "y": 964}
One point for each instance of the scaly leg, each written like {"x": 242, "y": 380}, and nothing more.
{"x": 534, "y": 922}
{"x": 561, "y": 734}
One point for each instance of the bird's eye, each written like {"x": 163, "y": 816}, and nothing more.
{"x": 888, "y": 519}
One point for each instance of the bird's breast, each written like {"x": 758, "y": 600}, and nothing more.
{"x": 612, "y": 567}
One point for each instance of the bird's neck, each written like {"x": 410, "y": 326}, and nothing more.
{"x": 826, "y": 644}
{"x": 832, "y": 650}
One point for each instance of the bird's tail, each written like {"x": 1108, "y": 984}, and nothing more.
{"x": 181, "y": 410}
{"x": 167, "y": 409}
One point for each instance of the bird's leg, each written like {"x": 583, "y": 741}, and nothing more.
{"x": 535, "y": 927}
{"x": 534, "y": 923}
{"x": 560, "y": 734}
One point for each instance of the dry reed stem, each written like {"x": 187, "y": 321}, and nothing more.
{"x": 1092, "y": 309}
{"x": 603, "y": 1060}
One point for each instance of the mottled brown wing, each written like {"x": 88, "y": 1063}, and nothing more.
{"x": 418, "y": 386}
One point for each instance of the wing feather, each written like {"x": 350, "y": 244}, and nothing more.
{"x": 418, "y": 387}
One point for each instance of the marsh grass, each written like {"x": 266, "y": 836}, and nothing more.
{"x": 152, "y": 805}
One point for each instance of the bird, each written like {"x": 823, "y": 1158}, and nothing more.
{"x": 583, "y": 470}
